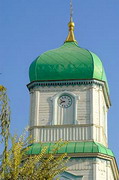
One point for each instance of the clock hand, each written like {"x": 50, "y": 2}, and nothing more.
{"x": 61, "y": 101}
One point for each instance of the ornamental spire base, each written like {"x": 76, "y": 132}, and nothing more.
{"x": 71, "y": 37}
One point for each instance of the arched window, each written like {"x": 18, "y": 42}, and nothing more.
{"x": 64, "y": 108}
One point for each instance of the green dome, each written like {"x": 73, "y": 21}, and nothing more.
{"x": 71, "y": 147}
{"x": 69, "y": 62}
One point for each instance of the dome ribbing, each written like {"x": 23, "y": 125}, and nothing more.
{"x": 69, "y": 62}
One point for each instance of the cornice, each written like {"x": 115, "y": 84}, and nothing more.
{"x": 65, "y": 125}
{"x": 63, "y": 83}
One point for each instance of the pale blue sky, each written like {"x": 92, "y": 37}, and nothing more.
{"x": 30, "y": 27}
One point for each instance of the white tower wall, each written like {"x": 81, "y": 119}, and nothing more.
{"x": 88, "y": 169}
{"x": 89, "y": 112}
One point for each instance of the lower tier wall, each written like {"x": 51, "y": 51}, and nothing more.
{"x": 88, "y": 169}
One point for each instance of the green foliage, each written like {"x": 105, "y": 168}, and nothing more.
{"x": 19, "y": 166}
{"x": 4, "y": 114}
{"x": 15, "y": 163}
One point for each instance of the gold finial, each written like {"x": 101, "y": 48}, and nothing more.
{"x": 71, "y": 37}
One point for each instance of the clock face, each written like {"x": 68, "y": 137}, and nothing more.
{"x": 65, "y": 101}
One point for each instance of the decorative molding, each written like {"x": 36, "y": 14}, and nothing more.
{"x": 61, "y": 83}
{"x": 66, "y": 125}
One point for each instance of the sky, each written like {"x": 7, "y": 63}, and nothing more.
{"x": 29, "y": 28}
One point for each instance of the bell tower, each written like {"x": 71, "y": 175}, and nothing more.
{"x": 70, "y": 100}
